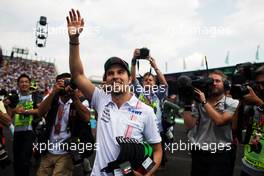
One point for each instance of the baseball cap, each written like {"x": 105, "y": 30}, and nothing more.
{"x": 116, "y": 60}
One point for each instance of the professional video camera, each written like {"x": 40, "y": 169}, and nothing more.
{"x": 186, "y": 85}
{"x": 243, "y": 77}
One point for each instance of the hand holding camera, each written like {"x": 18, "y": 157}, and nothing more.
{"x": 252, "y": 98}
{"x": 59, "y": 85}
{"x": 142, "y": 53}
{"x": 153, "y": 63}
{"x": 201, "y": 95}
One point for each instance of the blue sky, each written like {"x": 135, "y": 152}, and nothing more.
{"x": 173, "y": 30}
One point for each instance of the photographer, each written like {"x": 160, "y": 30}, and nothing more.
{"x": 209, "y": 124}
{"x": 150, "y": 93}
{"x": 249, "y": 116}
{"x": 65, "y": 116}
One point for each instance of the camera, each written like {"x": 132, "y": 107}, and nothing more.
{"x": 13, "y": 98}
{"x": 69, "y": 82}
{"x": 144, "y": 53}
{"x": 239, "y": 90}
{"x": 186, "y": 85}
{"x": 243, "y": 77}
{"x": 76, "y": 155}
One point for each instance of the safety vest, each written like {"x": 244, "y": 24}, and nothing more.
{"x": 152, "y": 103}
{"x": 24, "y": 120}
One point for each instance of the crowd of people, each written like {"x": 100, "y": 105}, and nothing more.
{"x": 132, "y": 124}
{"x": 42, "y": 73}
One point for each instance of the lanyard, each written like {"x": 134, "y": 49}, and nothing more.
{"x": 129, "y": 129}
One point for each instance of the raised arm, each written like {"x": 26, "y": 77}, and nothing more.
{"x": 160, "y": 76}
{"x": 133, "y": 64}
{"x": 75, "y": 25}
{"x": 81, "y": 109}
{"x": 218, "y": 118}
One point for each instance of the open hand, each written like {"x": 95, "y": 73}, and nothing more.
{"x": 75, "y": 24}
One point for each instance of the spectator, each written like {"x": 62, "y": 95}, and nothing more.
{"x": 42, "y": 73}
{"x": 150, "y": 93}
{"x": 23, "y": 115}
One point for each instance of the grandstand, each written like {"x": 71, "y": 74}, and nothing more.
{"x": 41, "y": 72}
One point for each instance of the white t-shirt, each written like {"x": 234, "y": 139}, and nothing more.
{"x": 57, "y": 139}
{"x": 113, "y": 122}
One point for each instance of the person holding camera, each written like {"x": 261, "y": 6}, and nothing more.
{"x": 150, "y": 93}
{"x": 120, "y": 113}
{"x": 209, "y": 129}
{"x": 22, "y": 113}
{"x": 65, "y": 117}
{"x": 249, "y": 117}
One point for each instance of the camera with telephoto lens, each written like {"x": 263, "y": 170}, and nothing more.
{"x": 144, "y": 53}
{"x": 243, "y": 77}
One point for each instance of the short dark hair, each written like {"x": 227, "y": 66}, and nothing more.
{"x": 259, "y": 71}
{"x": 23, "y": 75}
{"x": 63, "y": 75}
{"x": 149, "y": 74}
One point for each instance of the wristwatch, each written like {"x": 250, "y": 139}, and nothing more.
{"x": 204, "y": 102}
{"x": 261, "y": 108}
